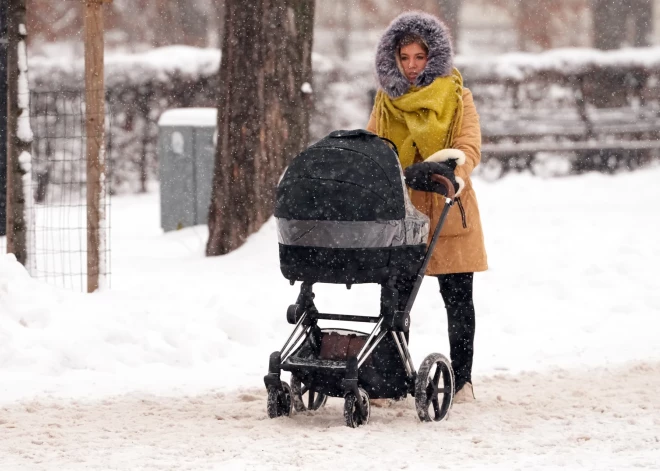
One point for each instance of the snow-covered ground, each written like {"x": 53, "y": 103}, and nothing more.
{"x": 592, "y": 419}
{"x": 164, "y": 371}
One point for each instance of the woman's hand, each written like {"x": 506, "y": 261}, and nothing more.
{"x": 418, "y": 176}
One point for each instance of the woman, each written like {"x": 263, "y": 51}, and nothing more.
{"x": 423, "y": 107}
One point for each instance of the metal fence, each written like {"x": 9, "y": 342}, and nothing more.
{"x": 59, "y": 212}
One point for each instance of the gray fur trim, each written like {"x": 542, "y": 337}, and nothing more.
{"x": 441, "y": 54}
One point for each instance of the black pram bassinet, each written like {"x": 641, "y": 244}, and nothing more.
{"x": 344, "y": 215}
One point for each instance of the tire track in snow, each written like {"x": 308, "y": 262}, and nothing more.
{"x": 592, "y": 419}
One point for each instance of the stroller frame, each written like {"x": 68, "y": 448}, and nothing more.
{"x": 391, "y": 321}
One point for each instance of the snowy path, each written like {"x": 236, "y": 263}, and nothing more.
{"x": 596, "y": 419}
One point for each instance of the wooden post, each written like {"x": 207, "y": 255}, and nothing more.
{"x": 95, "y": 127}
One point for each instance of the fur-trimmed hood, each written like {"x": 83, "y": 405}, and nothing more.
{"x": 440, "y": 59}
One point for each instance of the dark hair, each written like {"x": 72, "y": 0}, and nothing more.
{"x": 412, "y": 38}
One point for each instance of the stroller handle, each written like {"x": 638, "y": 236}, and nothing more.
{"x": 446, "y": 183}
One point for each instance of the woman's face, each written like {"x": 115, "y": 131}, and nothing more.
{"x": 413, "y": 59}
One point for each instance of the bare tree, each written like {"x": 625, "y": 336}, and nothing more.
{"x": 19, "y": 142}
{"x": 642, "y": 14}
{"x": 534, "y": 25}
{"x": 616, "y": 24}
{"x": 450, "y": 11}
{"x": 609, "y": 22}
{"x": 157, "y": 22}
{"x": 52, "y": 21}
{"x": 541, "y": 24}
{"x": 263, "y": 114}
{"x": 344, "y": 27}
{"x": 213, "y": 12}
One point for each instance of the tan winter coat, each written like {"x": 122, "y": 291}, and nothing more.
{"x": 460, "y": 249}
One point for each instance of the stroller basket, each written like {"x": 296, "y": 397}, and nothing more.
{"x": 320, "y": 362}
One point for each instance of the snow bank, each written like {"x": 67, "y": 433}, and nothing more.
{"x": 110, "y": 338}
{"x": 158, "y": 64}
{"x": 52, "y": 331}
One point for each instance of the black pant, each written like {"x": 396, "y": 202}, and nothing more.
{"x": 456, "y": 291}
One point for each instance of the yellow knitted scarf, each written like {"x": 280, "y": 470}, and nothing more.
{"x": 425, "y": 119}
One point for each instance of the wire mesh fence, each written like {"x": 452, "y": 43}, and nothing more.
{"x": 59, "y": 212}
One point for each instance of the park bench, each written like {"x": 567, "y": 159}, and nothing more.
{"x": 567, "y": 112}
{"x": 560, "y": 141}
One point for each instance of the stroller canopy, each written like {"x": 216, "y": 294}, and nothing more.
{"x": 347, "y": 191}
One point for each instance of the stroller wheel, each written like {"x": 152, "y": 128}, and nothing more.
{"x": 279, "y": 402}
{"x": 304, "y": 398}
{"x": 352, "y": 414}
{"x": 434, "y": 388}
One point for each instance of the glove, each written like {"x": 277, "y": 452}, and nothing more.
{"x": 418, "y": 176}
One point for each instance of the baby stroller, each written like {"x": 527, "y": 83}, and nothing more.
{"x": 344, "y": 216}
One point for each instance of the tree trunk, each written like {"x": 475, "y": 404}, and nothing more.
{"x": 193, "y": 23}
{"x": 609, "y": 23}
{"x": 168, "y": 28}
{"x": 216, "y": 24}
{"x": 143, "y": 110}
{"x": 344, "y": 29}
{"x": 3, "y": 119}
{"x": 263, "y": 114}
{"x": 533, "y": 23}
{"x": 611, "y": 20}
{"x": 19, "y": 197}
{"x": 643, "y": 22}
{"x": 450, "y": 10}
